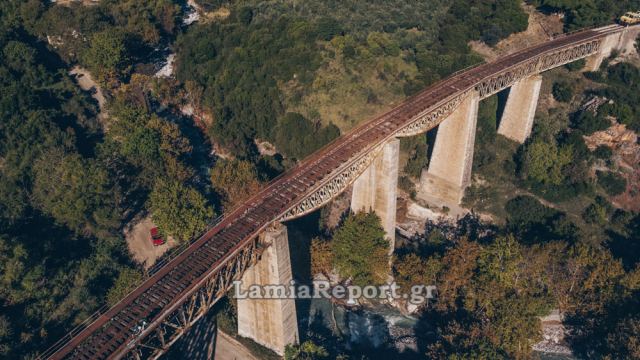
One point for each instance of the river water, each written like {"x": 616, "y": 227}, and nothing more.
{"x": 373, "y": 327}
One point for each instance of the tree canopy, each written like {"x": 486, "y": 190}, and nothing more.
{"x": 360, "y": 250}
{"x": 179, "y": 210}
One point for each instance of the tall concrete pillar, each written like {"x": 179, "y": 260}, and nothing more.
{"x": 377, "y": 188}
{"x": 520, "y": 109}
{"x": 449, "y": 171}
{"x": 269, "y": 322}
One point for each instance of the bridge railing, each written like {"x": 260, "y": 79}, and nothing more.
{"x": 170, "y": 255}
{"x": 164, "y": 260}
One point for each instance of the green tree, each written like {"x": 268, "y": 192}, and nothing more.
{"x": 308, "y": 350}
{"x": 595, "y": 214}
{"x": 107, "y": 56}
{"x": 543, "y": 162}
{"x": 576, "y": 65}
{"x": 235, "y": 181}
{"x": 6, "y": 331}
{"x": 297, "y": 137}
{"x": 128, "y": 279}
{"x": 75, "y": 192}
{"x": 562, "y": 91}
{"x": 611, "y": 182}
{"x": 360, "y": 249}
{"x": 589, "y": 123}
{"x": 417, "y": 148}
{"x": 501, "y": 262}
{"x": 179, "y": 210}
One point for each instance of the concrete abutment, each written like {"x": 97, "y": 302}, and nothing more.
{"x": 269, "y": 322}
{"x": 623, "y": 42}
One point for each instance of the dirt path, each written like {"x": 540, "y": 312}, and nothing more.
{"x": 86, "y": 83}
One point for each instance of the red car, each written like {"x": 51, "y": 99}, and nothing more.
{"x": 156, "y": 238}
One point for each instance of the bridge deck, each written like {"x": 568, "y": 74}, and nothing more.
{"x": 112, "y": 331}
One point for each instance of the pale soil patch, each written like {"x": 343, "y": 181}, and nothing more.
{"x": 553, "y": 335}
{"x": 228, "y": 348}
{"x": 70, "y": 2}
{"x": 221, "y": 152}
{"x": 624, "y": 143}
{"x": 412, "y": 216}
{"x": 541, "y": 28}
{"x": 265, "y": 147}
{"x": 221, "y": 13}
{"x": 140, "y": 246}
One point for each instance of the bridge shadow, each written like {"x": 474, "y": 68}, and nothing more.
{"x": 198, "y": 342}
{"x": 502, "y": 103}
{"x": 300, "y": 232}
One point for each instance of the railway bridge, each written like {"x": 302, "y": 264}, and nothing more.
{"x": 250, "y": 242}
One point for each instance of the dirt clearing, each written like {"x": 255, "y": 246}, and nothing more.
{"x": 541, "y": 28}
{"x": 140, "y": 246}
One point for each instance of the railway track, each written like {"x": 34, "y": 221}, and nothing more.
{"x": 122, "y": 329}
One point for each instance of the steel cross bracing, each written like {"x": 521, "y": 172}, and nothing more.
{"x": 149, "y": 319}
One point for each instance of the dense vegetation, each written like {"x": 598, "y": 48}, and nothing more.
{"x": 67, "y": 188}
{"x": 493, "y": 285}
{"x": 585, "y": 13}
{"x": 623, "y": 87}
{"x": 60, "y": 201}
{"x": 244, "y": 89}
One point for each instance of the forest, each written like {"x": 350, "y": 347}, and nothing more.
{"x": 73, "y": 179}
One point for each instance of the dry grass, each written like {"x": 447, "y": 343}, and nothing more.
{"x": 82, "y": 2}
{"x": 346, "y": 93}
{"x": 541, "y": 28}
{"x": 219, "y": 14}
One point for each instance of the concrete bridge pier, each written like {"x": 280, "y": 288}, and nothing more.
{"x": 520, "y": 109}
{"x": 449, "y": 171}
{"x": 377, "y": 189}
{"x": 269, "y": 322}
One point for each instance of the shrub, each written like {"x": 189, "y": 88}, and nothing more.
{"x": 407, "y": 185}
{"x": 562, "y": 91}
{"x": 589, "y": 123}
{"x": 603, "y": 152}
{"x": 611, "y": 182}
{"x": 526, "y": 209}
{"x": 595, "y": 214}
{"x": 576, "y": 65}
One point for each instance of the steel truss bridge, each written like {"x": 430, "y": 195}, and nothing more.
{"x": 152, "y": 317}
